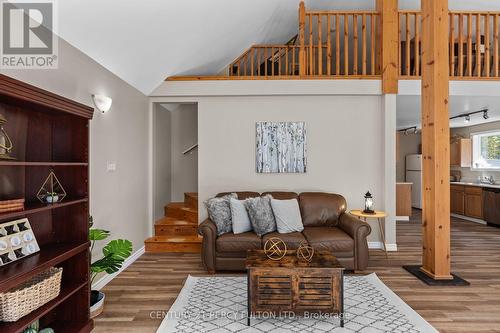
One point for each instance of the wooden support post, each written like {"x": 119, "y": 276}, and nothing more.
{"x": 302, "y": 28}
{"x": 388, "y": 10}
{"x": 435, "y": 140}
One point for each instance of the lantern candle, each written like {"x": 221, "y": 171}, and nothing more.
{"x": 368, "y": 204}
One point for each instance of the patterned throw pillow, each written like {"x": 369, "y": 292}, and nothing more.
{"x": 261, "y": 214}
{"x": 219, "y": 211}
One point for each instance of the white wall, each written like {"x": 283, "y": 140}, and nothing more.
{"x": 162, "y": 160}
{"x": 118, "y": 200}
{"x": 345, "y": 137}
{"x": 184, "y": 135}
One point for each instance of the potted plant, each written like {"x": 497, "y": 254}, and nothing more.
{"x": 114, "y": 254}
{"x": 52, "y": 197}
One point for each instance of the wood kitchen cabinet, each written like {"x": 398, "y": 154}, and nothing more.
{"x": 461, "y": 153}
{"x": 466, "y": 200}
{"x": 474, "y": 202}
{"x": 457, "y": 199}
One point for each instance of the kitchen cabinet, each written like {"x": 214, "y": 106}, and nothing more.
{"x": 466, "y": 200}
{"x": 474, "y": 202}
{"x": 491, "y": 206}
{"x": 457, "y": 199}
{"x": 403, "y": 199}
{"x": 461, "y": 152}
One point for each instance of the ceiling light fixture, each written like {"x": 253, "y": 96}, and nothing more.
{"x": 467, "y": 119}
{"x": 102, "y": 103}
{"x": 485, "y": 114}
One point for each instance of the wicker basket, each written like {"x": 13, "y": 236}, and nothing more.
{"x": 30, "y": 295}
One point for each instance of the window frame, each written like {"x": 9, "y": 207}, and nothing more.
{"x": 474, "y": 149}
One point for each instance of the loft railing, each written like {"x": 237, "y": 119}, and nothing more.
{"x": 267, "y": 60}
{"x": 341, "y": 43}
{"x": 347, "y": 44}
{"x": 330, "y": 43}
{"x": 473, "y": 44}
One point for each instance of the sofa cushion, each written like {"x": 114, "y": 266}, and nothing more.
{"x": 287, "y": 215}
{"x": 238, "y": 243}
{"x": 282, "y": 195}
{"x": 261, "y": 215}
{"x": 329, "y": 239}
{"x": 239, "y": 216}
{"x": 241, "y": 195}
{"x": 321, "y": 209}
{"x": 219, "y": 211}
{"x": 292, "y": 240}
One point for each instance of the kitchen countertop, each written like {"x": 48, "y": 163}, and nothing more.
{"x": 476, "y": 184}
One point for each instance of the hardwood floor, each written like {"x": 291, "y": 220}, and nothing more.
{"x": 152, "y": 283}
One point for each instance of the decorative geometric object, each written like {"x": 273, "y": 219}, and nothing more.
{"x": 275, "y": 248}
{"x": 5, "y": 142}
{"x": 16, "y": 241}
{"x": 51, "y": 190}
{"x": 305, "y": 252}
{"x": 281, "y": 147}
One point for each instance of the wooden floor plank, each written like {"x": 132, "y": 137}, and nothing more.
{"x": 153, "y": 282}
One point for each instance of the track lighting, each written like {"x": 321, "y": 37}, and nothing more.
{"x": 485, "y": 114}
{"x": 467, "y": 119}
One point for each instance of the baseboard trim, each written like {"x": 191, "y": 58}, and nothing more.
{"x": 380, "y": 246}
{"x": 471, "y": 219}
{"x": 109, "y": 277}
{"x": 403, "y": 218}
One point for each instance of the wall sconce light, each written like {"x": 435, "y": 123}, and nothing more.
{"x": 102, "y": 103}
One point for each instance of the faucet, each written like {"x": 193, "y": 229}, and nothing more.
{"x": 488, "y": 180}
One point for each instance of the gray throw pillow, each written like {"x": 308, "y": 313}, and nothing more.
{"x": 219, "y": 211}
{"x": 261, "y": 214}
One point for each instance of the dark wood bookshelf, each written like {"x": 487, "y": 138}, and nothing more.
{"x": 35, "y": 164}
{"x": 18, "y": 326}
{"x": 49, "y": 133}
{"x": 36, "y": 207}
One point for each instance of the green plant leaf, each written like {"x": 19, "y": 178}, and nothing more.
{"x": 108, "y": 264}
{"x": 118, "y": 248}
{"x": 98, "y": 234}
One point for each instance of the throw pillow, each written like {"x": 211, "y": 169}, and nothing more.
{"x": 287, "y": 215}
{"x": 261, "y": 215}
{"x": 239, "y": 216}
{"x": 219, "y": 211}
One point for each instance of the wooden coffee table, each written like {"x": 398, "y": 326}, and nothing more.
{"x": 294, "y": 286}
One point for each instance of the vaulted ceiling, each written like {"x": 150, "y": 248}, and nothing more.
{"x": 143, "y": 42}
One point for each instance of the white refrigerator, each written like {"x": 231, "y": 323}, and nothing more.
{"x": 414, "y": 175}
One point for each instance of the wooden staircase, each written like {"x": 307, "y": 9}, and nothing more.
{"x": 177, "y": 231}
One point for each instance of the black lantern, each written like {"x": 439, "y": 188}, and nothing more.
{"x": 368, "y": 204}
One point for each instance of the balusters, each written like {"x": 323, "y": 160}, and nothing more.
{"x": 478, "y": 45}
{"x": 487, "y": 45}
{"x": 452, "y": 44}
{"x": 373, "y": 48}
{"x": 346, "y": 44}
{"x": 461, "y": 45}
{"x": 496, "y": 46}
{"x": 337, "y": 44}
{"x": 469, "y": 44}
{"x": 355, "y": 44}
{"x": 328, "y": 47}
{"x": 363, "y": 45}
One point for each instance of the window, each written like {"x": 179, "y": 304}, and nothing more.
{"x": 486, "y": 150}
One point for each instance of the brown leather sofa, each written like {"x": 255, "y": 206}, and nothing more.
{"x": 327, "y": 226}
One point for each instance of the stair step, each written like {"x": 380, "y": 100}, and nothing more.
{"x": 191, "y": 199}
{"x": 180, "y": 211}
{"x": 162, "y": 244}
{"x": 169, "y": 226}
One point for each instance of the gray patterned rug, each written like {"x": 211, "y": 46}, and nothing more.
{"x": 219, "y": 305}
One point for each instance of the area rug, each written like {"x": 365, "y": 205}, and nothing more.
{"x": 219, "y": 305}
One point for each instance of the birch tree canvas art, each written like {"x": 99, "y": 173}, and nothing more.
{"x": 281, "y": 147}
